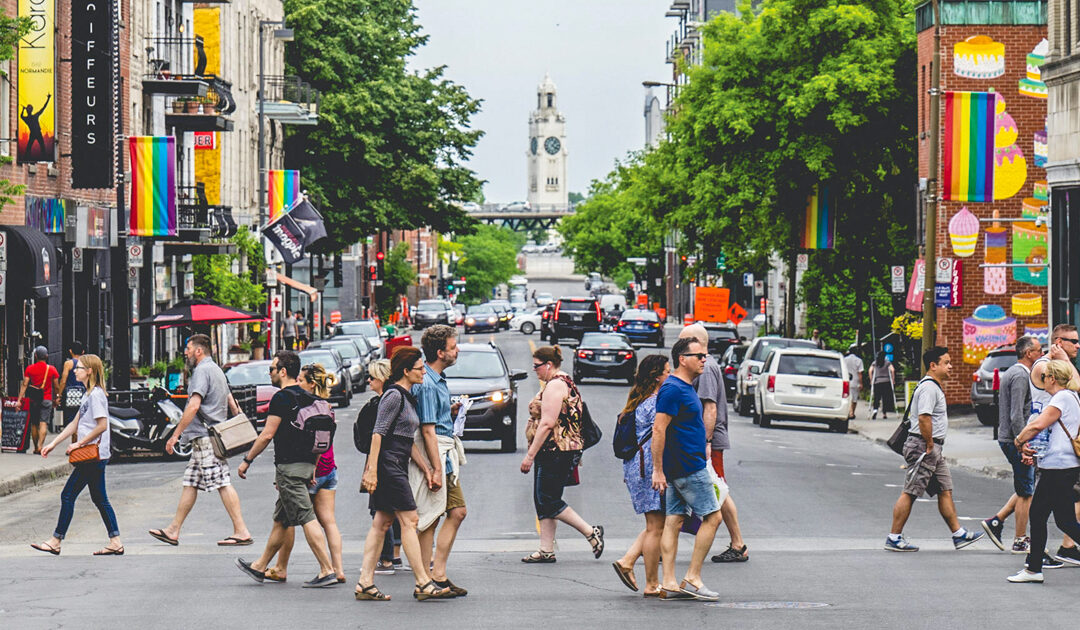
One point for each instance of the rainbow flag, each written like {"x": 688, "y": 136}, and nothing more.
{"x": 819, "y": 230}
{"x": 283, "y": 191}
{"x": 969, "y": 146}
{"x": 153, "y": 185}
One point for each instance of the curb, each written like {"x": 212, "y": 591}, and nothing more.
{"x": 34, "y": 478}
{"x": 986, "y": 471}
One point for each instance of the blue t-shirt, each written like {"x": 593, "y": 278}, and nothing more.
{"x": 433, "y": 402}
{"x": 684, "y": 446}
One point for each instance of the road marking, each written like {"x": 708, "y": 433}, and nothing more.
{"x": 842, "y": 465}
{"x": 894, "y": 485}
{"x": 532, "y": 347}
{"x": 863, "y": 474}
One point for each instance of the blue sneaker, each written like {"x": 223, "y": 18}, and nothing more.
{"x": 965, "y": 539}
{"x": 899, "y": 545}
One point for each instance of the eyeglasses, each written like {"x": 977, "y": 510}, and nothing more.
{"x": 81, "y": 367}
{"x": 699, "y": 355}
{"x": 274, "y": 368}
{"x": 414, "y": 368}
{"x": 537, "y": 366}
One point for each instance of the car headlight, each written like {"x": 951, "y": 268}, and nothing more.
{"x": 499, "y": 395}
{"x": 470, "y": 321}
{"x": 492, "y": 320}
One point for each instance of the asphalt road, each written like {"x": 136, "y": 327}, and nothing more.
{"x": 814, "y": 507}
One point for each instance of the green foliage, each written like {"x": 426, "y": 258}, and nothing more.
{"x": 390, "y": 146}
{"x": 490, "y": 260}
{"x": 575, "y": 197}
{"x": 214, "y": 278}
{"x": 539, "y": 236}
{"x": 11, "y": 29}
{"x": 398, "y": 276}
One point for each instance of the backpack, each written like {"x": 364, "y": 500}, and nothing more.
{"x": 365, "y": 423}
{"x": 316, "y": 421}
{"x": 624, "y": 442}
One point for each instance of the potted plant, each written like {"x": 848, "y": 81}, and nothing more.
{"x": 258, "y": 346}
{"x": 209, "y": 105}
{"x": 193, "y": 106}
{"x": 178, "y": 105}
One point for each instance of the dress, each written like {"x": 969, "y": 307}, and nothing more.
{"x": 637, "y": 473}
{"x": 392, "y": 490}
{"x": 559, "y": 455}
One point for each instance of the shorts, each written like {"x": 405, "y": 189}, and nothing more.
{"x": 932, "y": 476}
{"x": 718, "y": 463}
{"x": 45, "y": 412}
{"x": 1023, "y": 475}
{"x": 551, "y": 473}
{"x": 326, "y": 482}
{"x": 293, "y": 507}
{"x": 692, "y": 493}
{"x": 455, "y": 498}
{"x": 205, "y": 471}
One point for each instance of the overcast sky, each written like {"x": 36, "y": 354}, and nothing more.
{"x": 597, "y": 51}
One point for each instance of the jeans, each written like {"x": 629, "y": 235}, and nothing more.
{"x": 1053, "y": 493}
{"x": 88, "y": 474}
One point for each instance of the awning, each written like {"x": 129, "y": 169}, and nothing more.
{"x": 26, "y": 248}
{"x": 312, "y": 292}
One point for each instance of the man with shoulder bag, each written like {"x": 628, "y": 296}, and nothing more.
{"x": 39, "y": 382}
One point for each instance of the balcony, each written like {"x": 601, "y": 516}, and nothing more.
{"x": 290, "y": 101}
{"x": 197, "y": 220}
{"x": 177, "y": 67}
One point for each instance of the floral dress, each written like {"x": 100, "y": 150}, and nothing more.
{"x": 565, "y": 436}
{"x": 637, "y": 473}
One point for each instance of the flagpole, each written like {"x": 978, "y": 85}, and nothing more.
{"x": 929, "y": 338}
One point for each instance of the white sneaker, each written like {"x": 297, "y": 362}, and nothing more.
{"x": 1026, "y": 576}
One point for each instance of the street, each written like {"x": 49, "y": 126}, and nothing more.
{"x": 814, "y": 509}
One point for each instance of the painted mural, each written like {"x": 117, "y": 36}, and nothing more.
{"x": 1010, "y": 167}
{"x": 964, "y": 233}
{"x": 987, "y": 328}
{"x": 1030, "y": 244}
{"x": 1032, "y": 85}
{"x": 996, "y": 252}
{"x": 979, "y": 57}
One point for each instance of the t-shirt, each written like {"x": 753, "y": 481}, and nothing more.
{"x": 37, "y": 372}
{"x": 95, "y": 405}
{"x": 928, "y": 399}
{"x": 854, "y": 367}
{"x": 433, "y": 402}
{"x": 301, "y": 326}
{"x": 1060, "y": 455}
{"x": 290, "y": 327}
{"x": 208, "y": 381}
{"x": 710, "y": 387}
{"x": 291, "y": 446}
{"x": 881, "y": 372}
{"x": 684, "y": 447}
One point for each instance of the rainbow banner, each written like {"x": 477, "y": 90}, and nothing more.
{"x": 153, "y": 185}
{"x": 819, "y": 230}
{"x": 283, "y": 191}
{"x": 969, "y": 146}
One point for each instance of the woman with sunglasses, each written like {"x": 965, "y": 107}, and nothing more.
{"x": 555, "y": 445}
{"x": 386, "y": 477}
{"x": 390, "y": 558}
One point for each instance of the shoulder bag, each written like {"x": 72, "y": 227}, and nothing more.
{"x": 899, "y": 436}
{"x": 35, "y": 393}
{"x": 234, "y": 436}
{"x": 84, "y": 454}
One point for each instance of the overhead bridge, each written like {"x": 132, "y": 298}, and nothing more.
{"x": 523, "y": 220}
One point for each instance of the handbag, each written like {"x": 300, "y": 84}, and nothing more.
{"x": 234, "y": 436}
{"x": 590, "y": 432}
{"x": 84, "y": 454}
{"x": 899, "y": 436}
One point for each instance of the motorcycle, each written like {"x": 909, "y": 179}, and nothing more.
{"x": 134, "y": 431}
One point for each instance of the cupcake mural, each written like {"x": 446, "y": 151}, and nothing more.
{"x": 996, "y": 252}
{"x": 1041, "y": 191}
{"x": 1030, "y": 245}
{"x": 1026, "y": 304}
{"x": 1040, "y": 150}
{"x": 979, "y": 57}
{"x": 1032, "y": 85}
{"x": 964, "y": 233}
{"x": 987, "y": 328}
{"x": 1010, "y": 167}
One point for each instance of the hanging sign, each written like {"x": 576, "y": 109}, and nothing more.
{"x": 956, "y": 282}
{"x": 37, "y": 83}
{"x": 94, "y": 67}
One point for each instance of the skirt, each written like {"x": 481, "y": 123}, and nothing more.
{"x": 392, "y": 491}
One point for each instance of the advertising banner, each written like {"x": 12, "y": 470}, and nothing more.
{"x": 37, "y": 83}
{"x": 92, "y": 114}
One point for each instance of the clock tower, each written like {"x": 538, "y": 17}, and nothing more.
{"x": 546, "y": 154}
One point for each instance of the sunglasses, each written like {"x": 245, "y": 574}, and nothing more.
{"x": 274, "y": 368}
{"x": 699, "y": 355}
{"x": 537, "y": 366}
{"x": 1075, "y": 342}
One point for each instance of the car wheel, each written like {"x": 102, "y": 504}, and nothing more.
{"x": 743, "y": 405}
{"x": 839, "y": 426}
{"x": 528, "y": 328}
{"x": 509, "y": 439}
{"x": 988, "y": 416}
{"x": 766, "y": 422}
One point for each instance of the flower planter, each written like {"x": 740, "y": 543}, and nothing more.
{"x": 178, "y": 107}
{"x": 193, "y": 107}
{"x": 210, "y": 110}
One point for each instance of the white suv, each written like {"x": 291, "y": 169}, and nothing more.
{"x": 755, "y": 356}
{"x": 806, "y": 385}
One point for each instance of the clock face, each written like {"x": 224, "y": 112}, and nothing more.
{"x": 552, "y": 145}
{"x": 532, "y": 145}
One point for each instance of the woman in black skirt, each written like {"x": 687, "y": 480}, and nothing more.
{"x": 386, "y": 477}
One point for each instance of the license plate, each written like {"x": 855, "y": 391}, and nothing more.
{"x": 808, "y": 390}
{"x": 577, "y": 318}
{"x": 605, "y": 358}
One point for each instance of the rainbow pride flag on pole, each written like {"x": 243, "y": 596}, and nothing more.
{"x": 153, "y": 186}
{"x": 819, "y": 230}
{"x": 283, "y": 191}
{"x": 969, "y": 146}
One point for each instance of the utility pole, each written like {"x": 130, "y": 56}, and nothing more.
{"x": 929, "y": 336}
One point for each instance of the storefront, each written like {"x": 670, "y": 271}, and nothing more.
{"x": 31, "y": 313}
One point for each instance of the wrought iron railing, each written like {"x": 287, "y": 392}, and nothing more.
{"x": 185, "y": 58}
{"x": 194, "y": 212}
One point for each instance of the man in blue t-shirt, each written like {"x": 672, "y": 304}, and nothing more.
{"x": 678, "y": 451}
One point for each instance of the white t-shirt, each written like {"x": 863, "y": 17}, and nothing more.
{"x": 95, "y": 405}
{"x": 1060, "y": 455}
{"x": 855, "y": 367}
{"x": 928, "y": 399}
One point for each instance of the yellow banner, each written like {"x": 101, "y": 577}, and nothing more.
{"x": 37, "y": 82}
{"x": 207, "y": 23}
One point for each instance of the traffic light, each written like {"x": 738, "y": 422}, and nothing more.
{"x": 721, "y": 262}
{"x": 379, "y": 256}
{"x": 373, "y": 272}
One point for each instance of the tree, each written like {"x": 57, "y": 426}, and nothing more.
{"x": 490, "y": 259}
{"x": 215, "y": 279}
{"x": 398, "y": 276}
{"x": 575, "y": 198}
{"x": 390, "y": 146}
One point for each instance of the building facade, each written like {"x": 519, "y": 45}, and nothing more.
{"x": 547, "y": 153}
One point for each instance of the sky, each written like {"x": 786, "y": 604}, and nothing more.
{"x": 597, "y": 51}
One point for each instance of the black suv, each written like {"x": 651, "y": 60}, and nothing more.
{"x": 431, "y": 312}
{"x": 480, "y": 373}
{"x": 721, "y": 337}
{"x": 573, "y": 317}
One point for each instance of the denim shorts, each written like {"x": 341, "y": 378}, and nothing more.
{"x": 693, "y": 492}
{"x": 326, "y": 482}
{"x": 1023, "y": 475}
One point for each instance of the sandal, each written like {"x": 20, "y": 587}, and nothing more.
{"x": 597, "y": 540}
{"x": 626, "y": 575}
{"x": 272, "y": 575}
{"x": 539, "y": 557}
{"x": 370, "y": 593}
{"x": 431, "y": 591}
{"x": 46, "y": 547}
{"x": 109, "y": 551}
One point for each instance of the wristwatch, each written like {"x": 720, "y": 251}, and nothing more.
{"x": 249, "y": 461}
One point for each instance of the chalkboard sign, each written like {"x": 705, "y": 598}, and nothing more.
{"x": 16, "y": 425}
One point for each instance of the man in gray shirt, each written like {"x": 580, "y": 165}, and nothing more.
{"x": 209, "y": 402}
{"x": 710, "y": 389}
{"x": 288, "y": 331}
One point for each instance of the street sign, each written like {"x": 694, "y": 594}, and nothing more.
{"x": 189, "y": 284}
{"x": 721, "y": 262}
{"x": 76, "y": 259}
{"x": 133, "y": 278}
{"x": 759, "y": 287}
{"x": 691, "y": 260}
{"x": 3, "y": 252}
{"x": 637, "y": 260}
{"x": 711, "y": 304}
{"x": 271, "y": 277}
{"x": 3, "y": 288}
{"x": 275, "y": 303}
{"x": 897, "y": 278}
{"x": 802, "y": 262}
{"x": 748, "y": 279}
{"x": 135, "y": 256}
{"x": 737, "y": 313}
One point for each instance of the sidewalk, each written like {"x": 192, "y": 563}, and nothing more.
{"x": 21, "y": 471}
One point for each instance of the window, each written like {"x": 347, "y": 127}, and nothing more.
{"x": 550, "y": 100}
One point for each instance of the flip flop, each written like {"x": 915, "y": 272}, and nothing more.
{"x": 163, "y": 537}
{"x": 47, "y": 548}
{"x": 109, "y": 551}
{"x": 272, "y": 575}
{"x": 233, "y": 541}
{"x": 626, "y": 575}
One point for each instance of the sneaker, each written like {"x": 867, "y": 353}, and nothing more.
{"x": 873, "y": 416}
{"x": 246, "y": 567}
{"x": 1070, "y": 555}
{"x": 732, "y": 554}
{"x": 965, "y": 539}
{"x": 703, "y": 593}
{"x": 899, "y": 545}
{"x": 384, "y": 568}
{"x": 1049, "y": 562}
{"x": 398, "y": 564}
{"x": 1021, "y": 545}
{"x": 322, "y": 582}
{"x": 1026, "y": 576}
{"x": 993, "y": 526}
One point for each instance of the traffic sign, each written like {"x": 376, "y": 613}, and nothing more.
{"x": 748, "y": 279}
{"x": 802, "y": 262}
{"x": 3, "y": 288}
{"x": 135, "y": 256}
{"x": 275, "y": 303}
{"x": 76, "y": 259}
{"x": 271, "y": 277}
{"x": 759, "y": 287}
{"x": 897, "y": 278}
{"x": 133, "y": 278}
{"x": 737, "y": 313}
{"x": 637, "y": 260}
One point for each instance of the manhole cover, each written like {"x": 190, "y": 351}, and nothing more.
{"x": 768, "y": 605}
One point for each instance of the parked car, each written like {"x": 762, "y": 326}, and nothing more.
{"x": 480, "y": 318}
{"x": 366, "y": 328}
{"x": 527, "y": 321}
{"x": 546, "y": 317}
{"x": 480, "y": 373}
{"x": 341, "y": 391}
{"x": 805, "y": 385}
{"x": 355, "y": 358}
{"x": 502, "y": 307}
{"x": 431, "y": 312}
{"x": 573, "y": 317}
{"x": 517, "y": 206}
{"x": 721, "y": 337}
{"x": 255, "y": 373}
{"x": 982, "y": 386}
{"x": 543, "y": 299}
{"x": 459, "y": 314}
{"x": 605, "y": 355}
{"x": 729, "y": 367}
{"x": 641, "y": 326}
{"x": 470, "y": 206}
{"x": 755, "y": 356}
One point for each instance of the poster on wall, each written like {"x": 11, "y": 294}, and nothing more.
{"x": 93, "y": 37}
{"x": 37, "y": 83}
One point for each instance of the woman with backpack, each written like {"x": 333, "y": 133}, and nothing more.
{"x": 555, "y": 445}
{"x": 637, "y": 473}
{"x": 386, "y": 477}
{"x": 390, "y": 558}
